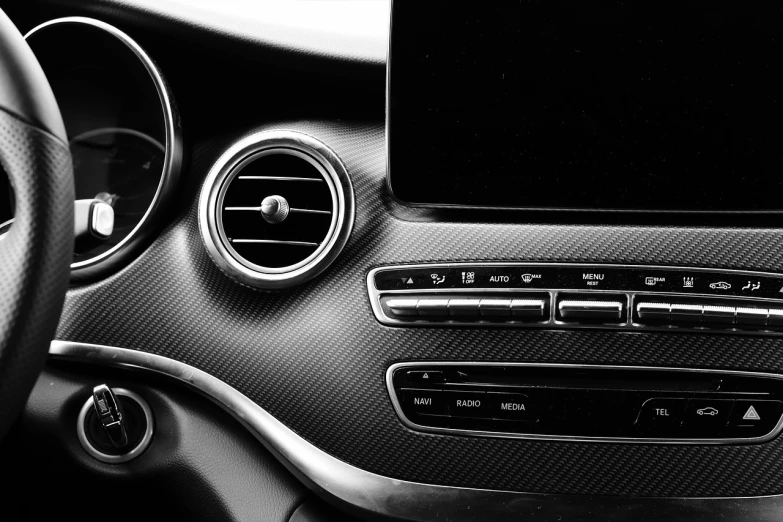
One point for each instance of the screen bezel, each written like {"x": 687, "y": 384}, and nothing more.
{"x": 516, "y": 209}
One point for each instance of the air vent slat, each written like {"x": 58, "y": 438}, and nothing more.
{"x": 294, "y": 210}
{"x": 280, "y": 178}
{"x": 307, "y": 196}
{"x": 274, "y": 242}
{"x": 278, "y": 208}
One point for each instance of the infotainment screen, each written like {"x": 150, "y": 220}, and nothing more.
{"x": 587, "y": 104}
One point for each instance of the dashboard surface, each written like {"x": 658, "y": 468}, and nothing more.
{"x": 315, "y": 357}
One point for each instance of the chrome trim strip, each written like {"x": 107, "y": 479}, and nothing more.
{"x": 172, "y": 160}
{"x": 414, "y": 501}
{"x": 624, "y": 440}
{"x": 552, "y": 321}
{"x": 132, "y": 454}
{"x": 5, "y": 226}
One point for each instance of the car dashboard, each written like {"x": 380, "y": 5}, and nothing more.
{"x": 402, "y": 359}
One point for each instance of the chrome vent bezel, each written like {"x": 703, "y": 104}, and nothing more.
{"x": 230, "y": 165}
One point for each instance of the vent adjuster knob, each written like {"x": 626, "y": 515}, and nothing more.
{"x": 274, "y": 209}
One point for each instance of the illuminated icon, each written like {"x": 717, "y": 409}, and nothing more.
{"x": 468, "y": 278}
{"x": 751, "y": 414}
{"x": 528, "y": 278}
{"x": 651, "y": 281}
{"x": 720, "y": 285}
{"x": 709, "y": 410}
{"x": 752, "y": 286}
{"x": 687, "y": 282}
{"x": 436, "y": 280}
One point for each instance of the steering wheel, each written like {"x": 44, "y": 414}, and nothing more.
{"x": 35, "y": 254}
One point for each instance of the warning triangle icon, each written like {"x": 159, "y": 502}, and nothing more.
{"x": 751, "y": 414}
{"x": 426, "y": 376}
{"x": 407, "y": 280}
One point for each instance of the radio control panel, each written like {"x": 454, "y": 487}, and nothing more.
{"x": 590, "y": 403}
{"x": 577, "y": 296}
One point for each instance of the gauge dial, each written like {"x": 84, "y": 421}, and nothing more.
{"x": 122, "y": 167}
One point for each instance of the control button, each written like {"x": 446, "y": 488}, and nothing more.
{"x": 467, "y": 404}
{"x": 495, "y": 307}
{"x": 686, "y": 313}
{"x": 425, "y": 376}
{"x": 423, "y": 402}
{"x": 752, "y": 316}
{"x": 509, "y": 406}
{"x": 723, "y": 315}
{"x": 496, "y": 278}
{"x": 706, "y": 418}
{"x": 403, "y": 307}
{"x": 653, "y": 312}
{"x": 591, "y": 310}
{"x": 528, "y": 308}
{"x": 748, "y": 413}
{"x": 661, "y": 416}
{"x": 463, "y": 307}
{"x": 751, "y": 418}
{"x": 775, "y": 317}
{"x": 433, "y": 307}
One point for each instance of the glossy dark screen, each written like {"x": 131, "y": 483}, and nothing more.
{"x": 595, "y": 105}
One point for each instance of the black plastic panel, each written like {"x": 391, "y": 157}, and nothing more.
{"x": 602, "y": 404}
{"x": 315, "y": 356}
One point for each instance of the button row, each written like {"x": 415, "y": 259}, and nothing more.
{"x": 708, "y": 314}
{"x": 532, "y": 309}
{"x": 469, "y": 404}
{"x": 707, "y": 418}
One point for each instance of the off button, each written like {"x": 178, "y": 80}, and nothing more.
{"x": 661, "y": 416}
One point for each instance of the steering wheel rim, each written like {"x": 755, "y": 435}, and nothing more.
{"x": 35, "y": 254}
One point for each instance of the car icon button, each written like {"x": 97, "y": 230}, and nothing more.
{"x": 706, "y": 418}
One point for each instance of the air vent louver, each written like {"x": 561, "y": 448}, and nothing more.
{"x": 278, "y": 210}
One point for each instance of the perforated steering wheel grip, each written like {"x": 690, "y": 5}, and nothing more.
{"x": 35, "y": 254}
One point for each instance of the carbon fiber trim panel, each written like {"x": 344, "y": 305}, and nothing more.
{"x": 314, "y": 356}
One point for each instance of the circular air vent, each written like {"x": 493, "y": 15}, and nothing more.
{"x": 276, "y": 209}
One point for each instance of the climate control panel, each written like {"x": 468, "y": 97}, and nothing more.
{"x": 590, "y": 403}
{"x": 577, "y": 296}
